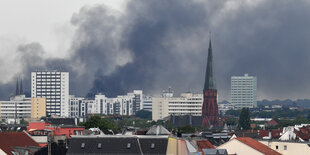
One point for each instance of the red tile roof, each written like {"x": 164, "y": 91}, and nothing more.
{"x": 258, "y": 146}
{"x": 10, "y": 139}
{"x": 272, "y": 122}
{"x": 204, "y": 144}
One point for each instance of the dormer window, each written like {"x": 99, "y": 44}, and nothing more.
{"x": 99, "y": 146}
{"x": 83, "y": 146}
{"x": 153, "y": 146}
{"x": 128, "y": 145}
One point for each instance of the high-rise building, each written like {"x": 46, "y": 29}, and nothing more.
{"x": 243, "y": 91}
{"x": 54, "y": 86}
{"x": 210, "y": 108}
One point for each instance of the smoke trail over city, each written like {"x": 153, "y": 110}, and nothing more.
{"x": 156, "y": 44}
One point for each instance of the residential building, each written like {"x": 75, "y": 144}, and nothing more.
{"x": 246, "y": 146}
{"x": 225, "y": 106}
{"x": 75, "y": 106}
{"x": 288, "y": 147}
{"x": 121, "y": 105}
{"x": 14, "y": 143}
{"x": 147, "y": 103}
{"x": 243, "y": 91}
{"x": 120, "y": 145}
{"x": 18, "y": 108}
{"x": 186, "y": 104}
{"x": 38, "y": 107}
{"x": 54, "y": 86}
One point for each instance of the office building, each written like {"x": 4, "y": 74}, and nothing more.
{"x": 243, "y": 91}
{"x": 54, "y": 86}
{"x": 186, "y": 104}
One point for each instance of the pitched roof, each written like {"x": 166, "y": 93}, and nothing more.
{"x": 158, "y": 130}
{"x": 272, "y": 122}
{"x": 204, "y": 144}
{"x": 9, "y": 140}
{"x": 117, "y": 145}
{"x": 186, "y": 120}
{"x": 257, "y": 146}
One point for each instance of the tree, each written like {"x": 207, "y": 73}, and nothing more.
{"x": 144, "y": 114}
{"x": 23, "y": 122}
{"x": 244, "y": 119}
{"x": 97, "y": 121}
{"x": 186, "y": 129}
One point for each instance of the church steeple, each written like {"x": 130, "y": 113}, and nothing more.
{"x": 21, "y": 91}
{"x": 210, "y": 78}
{"x": 17, "y": 88}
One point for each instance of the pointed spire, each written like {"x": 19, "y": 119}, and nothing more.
{"x": 17, "y": 89}
{"x": 21, "y": 91}
{"x": 210, "y": 78}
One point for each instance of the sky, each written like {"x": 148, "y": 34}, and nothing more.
{"x": 115, "y": 46}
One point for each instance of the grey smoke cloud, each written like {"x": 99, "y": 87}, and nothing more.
{"x": 156, "y": 44}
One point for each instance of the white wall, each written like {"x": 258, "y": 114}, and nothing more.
{"x": 236, "y": 147}
{"x": 294, "y": 148}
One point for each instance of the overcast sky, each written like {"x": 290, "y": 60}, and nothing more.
{"x": 114, "y": 46}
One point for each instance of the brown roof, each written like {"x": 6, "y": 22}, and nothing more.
{"x": 8, "y": 140}
{"x": 258, "y": 146}
{"x": 204, "y": 144}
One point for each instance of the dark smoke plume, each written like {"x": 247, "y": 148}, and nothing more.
{"x": 156, "y": 44}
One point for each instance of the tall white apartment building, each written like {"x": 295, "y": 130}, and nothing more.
{"x": 186, "y": 104}
{"x": 54, "y": 86}
{"x": 243, "y": 91}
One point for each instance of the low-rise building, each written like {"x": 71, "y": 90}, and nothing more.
{"x": 186, "y": 104}
{"x": 20, "y": 107}
{"x": 12, "y": 143}
{"x": 246, "y": 146}
{"x": 288, "y": 147}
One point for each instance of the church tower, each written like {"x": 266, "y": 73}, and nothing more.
{"x": 210, "y": 108}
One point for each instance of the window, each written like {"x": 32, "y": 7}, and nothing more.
{"x": 152, "y": 146}
{"x": 99, "y": 146}
{"x": 82, "y": 145}
{"x": 285, "y": 147}
{"x": 277, "y": 147}
{"x": 128, "y": 145}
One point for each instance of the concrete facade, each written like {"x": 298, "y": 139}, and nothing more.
{"x": 243, "y": 91}
{"x": 38, "y": 107}
{"x": 121, "y": 105}
{"x": 54, "y": 86}
{"x": 186, "y": 104}
{"x": 18, "y": 108}
{"x": 236, "y": 147}
{"x": 147, "y": 103}
{"x": 288, "y": 148}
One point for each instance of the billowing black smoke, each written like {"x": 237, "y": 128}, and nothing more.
{"x": 155, "y": 44}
